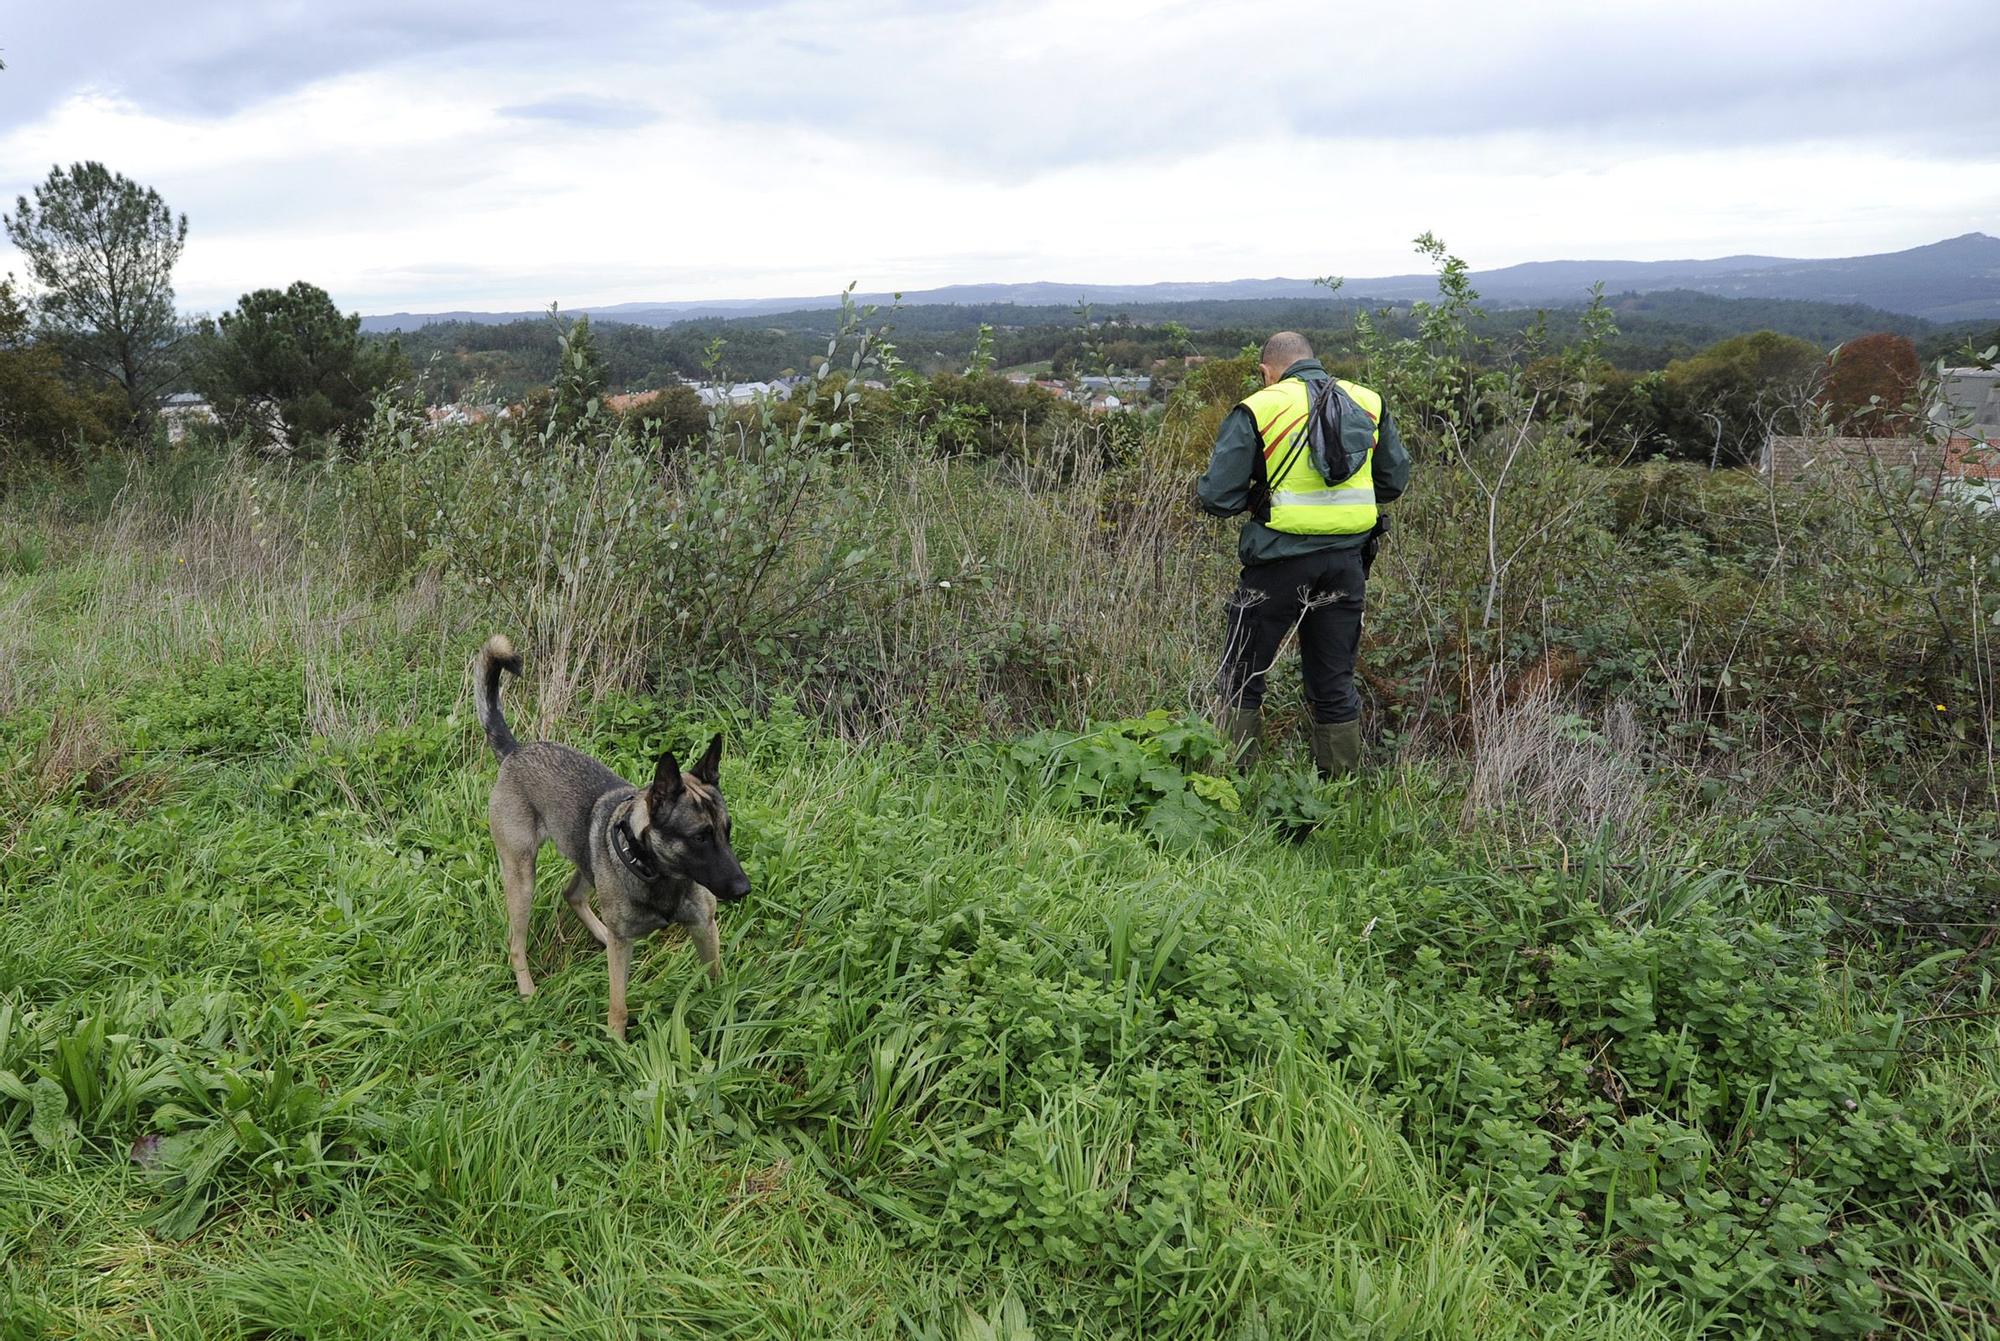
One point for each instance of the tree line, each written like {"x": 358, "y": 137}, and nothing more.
{"x": 507, "y": 359}
{"x": 91, "y": 344}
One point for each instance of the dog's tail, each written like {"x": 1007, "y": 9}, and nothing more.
{"x": 496, "y": 656}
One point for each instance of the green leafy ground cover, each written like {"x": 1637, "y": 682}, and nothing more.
{"x": 994, "y": 1036}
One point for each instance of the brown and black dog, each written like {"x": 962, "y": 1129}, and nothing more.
{"x": 656, "y": 855}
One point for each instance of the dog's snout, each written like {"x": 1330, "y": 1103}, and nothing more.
{"x": 735, "y": 890}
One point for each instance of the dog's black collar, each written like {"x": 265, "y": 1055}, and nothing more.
{"x": 631, "y": 853}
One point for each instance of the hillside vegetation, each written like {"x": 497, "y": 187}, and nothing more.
{"x": 463, "y": 359}
{"x": 1642, "y": 987}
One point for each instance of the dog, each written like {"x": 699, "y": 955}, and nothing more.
{"x": 656, "y": 855}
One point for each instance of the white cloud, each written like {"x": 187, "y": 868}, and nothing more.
{"x": 705, "y": 152}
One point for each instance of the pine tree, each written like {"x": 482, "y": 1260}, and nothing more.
{"x": 101, "y": 250}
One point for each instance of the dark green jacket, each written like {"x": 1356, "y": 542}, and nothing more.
{"x": 1232, "y": 468}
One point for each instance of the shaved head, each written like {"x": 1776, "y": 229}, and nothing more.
{"x": 1284, "y": 349}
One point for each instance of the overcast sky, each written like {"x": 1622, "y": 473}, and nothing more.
{"x": 420, "y": 155}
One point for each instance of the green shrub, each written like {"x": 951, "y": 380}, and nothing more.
{"x": 674, "y": 417}
{"x": 228, "y": 710}
{"x": 1164, "y": 774}
{"x": 176, "y": 1088}
{"x": 1672, "y": 1095}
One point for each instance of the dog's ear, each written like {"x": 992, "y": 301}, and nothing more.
{"x": 666, "y": 786}
{"x": 709, "y": 770}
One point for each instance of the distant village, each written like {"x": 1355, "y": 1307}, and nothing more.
{"x": 1104, "y": 395}
{"x": 1965, "y": 454}
{"x": 1115, "y": 394}
{"x": 1111, "y": 394}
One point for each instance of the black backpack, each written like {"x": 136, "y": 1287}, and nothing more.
{"x": 1338, "y": 433}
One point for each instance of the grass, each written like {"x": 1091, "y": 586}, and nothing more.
{"x": 515, "y": 1171}
{"x": 512, "y": 1171}
{"x": 983, "y": 1062}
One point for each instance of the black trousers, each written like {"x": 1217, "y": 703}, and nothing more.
{"x": 1321, "y": 594}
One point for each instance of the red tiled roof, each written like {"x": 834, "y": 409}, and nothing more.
{"x": 1972, "y": 459}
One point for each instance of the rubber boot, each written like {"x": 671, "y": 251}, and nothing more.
{"x": 1243, "y": 728}
{"x": 1336, "y": 748}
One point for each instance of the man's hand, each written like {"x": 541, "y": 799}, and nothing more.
{"x": 1257, "y": 502}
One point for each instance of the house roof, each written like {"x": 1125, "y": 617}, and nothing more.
{"x": 1958, "y": 458}
{"x": 1975, "y": 394}
{"x": 1972, "y": 459}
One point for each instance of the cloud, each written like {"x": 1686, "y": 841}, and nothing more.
{"x": 581, "y": 109}
{"x": 1015, "y": 89}
{"x": 410, "y": 156}
{"x": 211, "y": 58}
{"x": 1012, "y": 87}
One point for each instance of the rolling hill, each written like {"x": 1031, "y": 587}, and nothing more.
{"x": 1957, "y": 279}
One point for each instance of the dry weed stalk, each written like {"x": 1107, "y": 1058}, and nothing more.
{"x": 80, "y": 752}
{"x": 1536, "y": 759}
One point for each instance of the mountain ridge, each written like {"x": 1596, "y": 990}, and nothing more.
{"x": 1953, "y": 279}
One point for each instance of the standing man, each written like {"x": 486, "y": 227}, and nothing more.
{"x": 1305, "y": 550}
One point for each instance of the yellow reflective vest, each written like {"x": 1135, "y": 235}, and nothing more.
{"x": 1302, "y": 502}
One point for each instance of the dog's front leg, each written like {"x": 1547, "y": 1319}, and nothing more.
{"x": 707, "y": 939}
{"x": 578, "y": 896}
{"x": 618, "y": 954}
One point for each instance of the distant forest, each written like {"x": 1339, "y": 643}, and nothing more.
{"x": 461, "y": 360}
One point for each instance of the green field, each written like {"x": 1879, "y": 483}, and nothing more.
{"x": 1642, "y": 986}
{"x": 1054, "y": 1034}
{"x": 964, "y": 1043}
